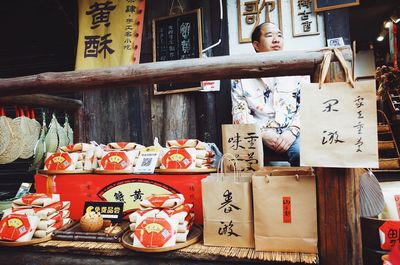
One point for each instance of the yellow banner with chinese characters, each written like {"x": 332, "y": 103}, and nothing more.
{"x": 110, "y": 33}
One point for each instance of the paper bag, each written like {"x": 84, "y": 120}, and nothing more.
{"x": 245, "y": 143}
{"x": 285, "y": 210}
{"x": 227, "y": 210}
{"x": 338, "y": 122}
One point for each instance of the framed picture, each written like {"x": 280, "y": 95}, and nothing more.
{"x": 177, "y": 37}
{"x": 304, "y": 19}
{"x": 323, "y": 5}
{"x": 252, "y": 13}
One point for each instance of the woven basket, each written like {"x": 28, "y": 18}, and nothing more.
{"x": 5, "y": 134}
{"x": 14, "y": 148}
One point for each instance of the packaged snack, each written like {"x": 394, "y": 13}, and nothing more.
{"x": 118, "y": 160}
{"x": 124, "y": 146}
{"x": 155, "y": 233}
{"x": 60, "y": 161}
{"x": 182, "y": 143}
{"x": 163, "y": 201}
{"x": 181, "y": 236}
{"x": 143, "y": 214}
{"x": 179, "y": 159}
{"x": 35, "y": 200}
{"x": 83, "y": 147}
{"x": 18, "y": 227}
{"x": 180, "y": 212}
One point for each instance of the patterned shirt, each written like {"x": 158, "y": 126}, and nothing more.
{"x": 270, "y": 102}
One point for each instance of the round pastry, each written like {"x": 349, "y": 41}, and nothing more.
{"x": 91, "y": 222}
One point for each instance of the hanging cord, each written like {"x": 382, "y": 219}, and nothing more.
{"x": 173, "y": 7}
{"x": 221, "y": 17}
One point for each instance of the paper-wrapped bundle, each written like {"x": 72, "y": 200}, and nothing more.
{"x": 35, "y": 200}
{"x": 204, "y": 154}
{"x": 179, "y": 159}
{"x": 155, "y": 233}
{"x": 133, "y": 217}
{"x": 118, "y": 160}
{"x": 182, "y": 143}
{"x": 163, "y": 201}
{"x": 180, "y": 212}
{"x": 18, "y": 227}
{"x": 124, "y": 146}
{"x": 42, "y": 213}
{"x": 45, "y": 231}
{"x": 61, "y": 161}
{"x": 78, "y": 147}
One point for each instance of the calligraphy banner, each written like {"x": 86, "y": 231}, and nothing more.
{"x": 304, "y": 19}
{"x": 338, "y": 122}
{"x": 244, "y": 142}
{"x": 252, "y": 13}
{"x": 110, "y": 33}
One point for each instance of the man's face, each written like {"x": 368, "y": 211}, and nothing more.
{"x": 271, "y": 39}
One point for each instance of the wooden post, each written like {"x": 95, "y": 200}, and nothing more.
{"x": 339, "y": 230}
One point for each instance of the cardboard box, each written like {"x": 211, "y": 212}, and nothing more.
{"x": 129, "y": 189}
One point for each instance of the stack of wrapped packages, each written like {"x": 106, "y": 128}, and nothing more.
{"x": 118, "y": 156}
{"x": 187, "y": 154}
{"x": 164, "y": 221}
{"x": 80, "y": 156}
{"x": 34, "y": 216}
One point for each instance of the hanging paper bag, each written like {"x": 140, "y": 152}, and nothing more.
{"x": 338, "y": 121}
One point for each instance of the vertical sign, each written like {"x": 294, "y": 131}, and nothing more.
{"x": 177, "y": 37}
{"x": 304, "y": 19}
{"x": 110, "y": 33}
{"x": 252, "y": 13}
{"x": 244, "y": 142}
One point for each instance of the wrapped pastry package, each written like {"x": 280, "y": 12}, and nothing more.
{"x": 163, "y": 201}
{"x": 180, "y": 212}
{"x": 179, "y": 159}
{"x": 118, "y": 160}
{"x": 143, "y": 214}
{"x": 61, "y": 161}
{"x": 18, "y": 227}
{"x": 42, "y": 213}
{"x": 35, "y": 200}
{"x": 182, "y": 143}
{"x": 124, "y": 146}
{"x": 155, "y": 233}
{"x": 78, "y": 147}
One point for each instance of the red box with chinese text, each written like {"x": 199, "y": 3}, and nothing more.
{"x": 129, "y": 189}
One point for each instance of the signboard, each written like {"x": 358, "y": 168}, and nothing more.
{"x": 175, "y": 38}
{"x": 253, "y": 13}
{"x": 109, "y": 210}
{"x": 304, "y": 19}
{"x": 323, "y": 5}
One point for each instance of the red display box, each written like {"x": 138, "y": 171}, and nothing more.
{"x": 129, "y": 189}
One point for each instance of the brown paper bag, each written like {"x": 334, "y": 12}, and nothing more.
{"x": 245, "y": 143}
{"x": 285, "y": 210}
{"x": 227, "y": 209}
{"x": 338, "y": 122}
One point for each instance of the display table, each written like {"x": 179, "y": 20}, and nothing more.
{"x": 127, "y": 188}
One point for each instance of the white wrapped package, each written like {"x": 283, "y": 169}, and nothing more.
{"x": 42, "y": 213}
{"x": 35, "y": 200}
{"x": 180, "y": 212}
{"x": 143, "y": 214}
{"x": 204, "y": 154}
{"x": 118, "y": 160}
{"x": 392, "y": 203}
{"x": 155, "y": 233}
{"x": 124, "y": 146}
{"x": 45, "y": 224}
{"x": 18, "y": 227}
{"x": 83, "y": 147}
{"x": 57, "y": 216}
{"x": 182, "y": 143}
{"x": 184, "y": 158}
{"x": 61, "y": 161}
{"x": 90, "y": 160}
{"x": 181, "y": 236}
{"x": 44, "y": 233}
{"x": 79, "y": 165}
{"x": 182, "y": 227}
{"x": 204, "y": 162}
{"x": 61, "y": 223}
{"x": 163, "y": 201}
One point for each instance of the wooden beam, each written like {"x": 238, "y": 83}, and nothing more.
{"x": 41, "y": 100}
{"x": 223, "y": 67}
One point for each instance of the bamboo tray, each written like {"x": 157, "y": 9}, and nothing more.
{"x": 111, "y": 172}
{"x": 64, "y": 172}
{"x": 193, "y": 237}
{"x": 26, "y": 243}
{"x": 171, "y": 171}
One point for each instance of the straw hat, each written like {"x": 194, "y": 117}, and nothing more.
{"x": 14, "y": 148}
{"x": 5, "y": 134}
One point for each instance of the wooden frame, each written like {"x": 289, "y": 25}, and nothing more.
{"x": 247, "y": 40}
{"x": 336, "y": 4}
{"x": 292, "y": 7}
{"x": 196, "y": 12}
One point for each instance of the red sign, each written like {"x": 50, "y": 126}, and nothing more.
{"x": 389, "y": 234}
{"x": 14, "y": 226}
{"x": 58, "y": 161}
{"x": 154, "y": 232}
{"x": 287, "y": 210}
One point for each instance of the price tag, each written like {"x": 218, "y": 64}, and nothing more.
{"x": 147, "y": 160}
